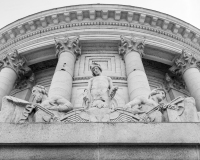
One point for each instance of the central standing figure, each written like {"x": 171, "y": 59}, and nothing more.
{"x": 100, "y": 89}
{"x": 98, "y": 97}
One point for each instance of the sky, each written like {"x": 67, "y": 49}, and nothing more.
{"x": 186, "y": 10}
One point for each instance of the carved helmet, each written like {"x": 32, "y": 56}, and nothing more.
{"x": 95, "y": 65}
{"x": 40, "y": 89}
{"x": 155, "y": 91}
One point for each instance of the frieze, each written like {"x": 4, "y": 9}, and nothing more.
{"x": 40, "y": 53}
{"x": 158, "y": 52}
{"x": 90, "y": 47}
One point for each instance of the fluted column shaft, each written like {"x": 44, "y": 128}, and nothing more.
{"x": 186, "y": 66}
{"x": 138, "y": 84}
{"x": 61, "y": 84}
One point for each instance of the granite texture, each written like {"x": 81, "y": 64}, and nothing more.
{"x": 100, "y": 133}
{"x": 100, "y": 141}
{"x": 99, "y": 152}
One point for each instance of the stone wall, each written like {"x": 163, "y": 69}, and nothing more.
{"x": 100, "y": 141}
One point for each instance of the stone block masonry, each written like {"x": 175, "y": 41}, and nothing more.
{"x": 100, "y": 141}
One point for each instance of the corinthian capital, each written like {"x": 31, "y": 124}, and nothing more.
{"x": 183, "y": 62}
{"x": 65, "y": 44}
{"x": 128, "y": 45}
{"x": 17, "y": 63}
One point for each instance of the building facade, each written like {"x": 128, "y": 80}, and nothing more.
{"x": 140, "y": 50}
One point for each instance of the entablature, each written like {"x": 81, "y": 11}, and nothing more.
{"x": 103, "y": 46}
{"x": 100, "y": 17}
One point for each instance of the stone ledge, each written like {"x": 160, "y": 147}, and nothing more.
{"x": 98, "y": 152}
{"x": 101, "y": 133}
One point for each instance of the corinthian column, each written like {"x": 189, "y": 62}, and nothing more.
{"x": 66, "y": 51}
{"x": 187, "y": 66}
{"x": 13, "y": 67}
{"x": 132, "y": 51}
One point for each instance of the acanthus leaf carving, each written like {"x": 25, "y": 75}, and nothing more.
{"x": 17, "y": 63}
{"x": 65, "y": 44}
{"x": 183, "y": 62}
{"x": 130, "y": 44}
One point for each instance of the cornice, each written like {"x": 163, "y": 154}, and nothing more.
{"x": 108, "y": 16}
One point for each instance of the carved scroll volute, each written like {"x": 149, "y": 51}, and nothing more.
{"x": 17, "y": 63}
{"x": 183, "y": 62}
{"x": 130, "y": 44}
{"x": 67, "y": 45}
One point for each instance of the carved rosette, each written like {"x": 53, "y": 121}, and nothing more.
{"x": 17, "y": 63}
{"x": 130, "y": 44}
{"x": 67, "y": 45}
{"x": 183, "y": 62}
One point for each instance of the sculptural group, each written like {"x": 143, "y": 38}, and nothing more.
{"x": 98, "y": 105}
